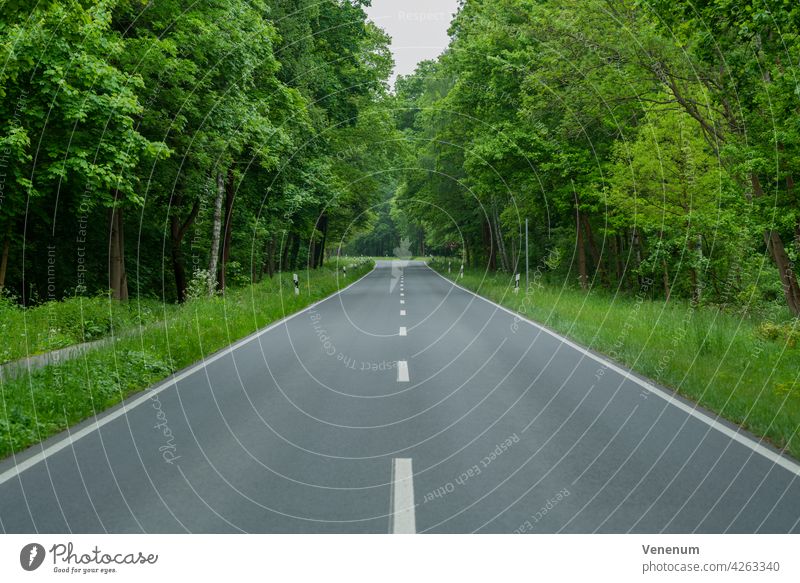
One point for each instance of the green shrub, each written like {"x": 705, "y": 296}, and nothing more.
{"x": 787, "y": 332}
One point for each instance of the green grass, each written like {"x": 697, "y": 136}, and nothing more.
{"x": 53, "y": 325}
{"x": 747, "y": 371}
{"x": 48, "y": 400}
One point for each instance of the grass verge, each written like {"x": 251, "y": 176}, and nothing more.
{"x": 46, "y": 401}
{"x": 737, "y": 367}
{"x": 28, "y": 331}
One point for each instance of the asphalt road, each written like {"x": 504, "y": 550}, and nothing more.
{"x": 402, "y": 404}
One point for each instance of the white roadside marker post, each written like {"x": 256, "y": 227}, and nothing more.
{"x": 344, "y": 270}
{"x": 448, "y": 267}
{"x": 296, "y": 284}
{"x": 461, "y": 274}
{"x": 516, "y": 284}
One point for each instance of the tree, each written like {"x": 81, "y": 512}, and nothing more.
{"x": 70, "y": 122}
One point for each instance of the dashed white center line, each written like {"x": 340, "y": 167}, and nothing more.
{"x": 402, "y": 302}
{"x": 402, "y": 371}
{"x": 403, "y": 331}
{"x": 402, "y": 294}
{"x": 403, "y": 517}
{"x": 402, "y": 312}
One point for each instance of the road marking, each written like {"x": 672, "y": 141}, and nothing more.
{"x": 402, "y": 295}
{"x": 402, "y": 312}
{"x": 734, "y": 434}
{"x": 146, "y": 395}
{"x": 402, "y": 302}
{"x": 403, "y": 331}
{"x": 403, "y": 516}
{"x": 402, "y": 371}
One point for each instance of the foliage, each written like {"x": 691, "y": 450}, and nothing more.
{"x": 163, "y": 109}
{"x": 642, "y": 139}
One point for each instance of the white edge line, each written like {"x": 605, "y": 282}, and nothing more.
{"x": 147, "y": 394}
{"x": 755, "y": 446}
{"x": 402, "y": 371}
{"x": 403, "y": 518}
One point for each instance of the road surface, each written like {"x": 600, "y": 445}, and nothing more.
{"x": 402, "y": 404}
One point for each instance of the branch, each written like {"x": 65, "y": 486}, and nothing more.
{"x": 190, "y": 219}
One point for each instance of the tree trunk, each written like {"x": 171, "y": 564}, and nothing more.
{"x": 788, "y": 278}
{"x": 501, "y": 246}
{"x": 270, "y": 262}
{"x": 319, "y": 248}
{"x": 216, "y": 229}
{"x": 698, "y": 289}
{"x": 772, "y": 238}
{"x": 595, "y": 252}
{"x": 324, "y": 243}
{"x": 294, "y": 252}
{"x": 797, "y": 234}
{"x": 262, "y": 271}
{"x": 490, "y": 246}
{"x": 4, "y": 258}
{"x": 177, "y": 234}
{"x": 618, "y": 250}
{"x": 117, "y": 277}
{"x": 636, "y": 243}
{"x": 286, "y": 240}
{"x": 583, "y": 276}
{"x": 177, "y": 260}
{"x": 228, "y": 231}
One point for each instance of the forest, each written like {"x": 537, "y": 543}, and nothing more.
{"x": 162, "y": 149}
{"x": 155, "y": 149}
{"x": 644, "y": 141}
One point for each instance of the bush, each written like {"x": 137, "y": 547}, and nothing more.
{"x": 198, "y": 286}
{"x": 788, "y": 332}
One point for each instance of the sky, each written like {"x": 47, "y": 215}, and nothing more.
{"x": 418, "y": 29}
